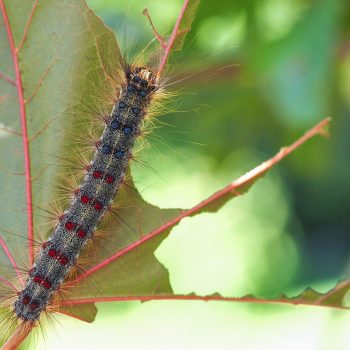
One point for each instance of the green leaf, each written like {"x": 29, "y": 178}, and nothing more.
{"x": 185, "y": 25}
{"x": 291, "y": 69}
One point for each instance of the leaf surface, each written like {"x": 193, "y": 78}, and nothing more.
{"x": 185, "y": 24}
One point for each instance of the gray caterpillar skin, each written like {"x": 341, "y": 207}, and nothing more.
{"x": 95, "y": 194}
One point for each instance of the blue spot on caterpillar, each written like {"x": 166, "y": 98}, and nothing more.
{"x": 119, "y": 154}
{"x": 135, "y": 110}
{"x": 127, "y": 130}
{"x": 115, "y": 124}
{"x": 106, "y": 149}
{"x": 98, "y": 188}
{"x": 122, "y": 105}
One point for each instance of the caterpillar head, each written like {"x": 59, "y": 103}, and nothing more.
{"x": 143, "y": 79}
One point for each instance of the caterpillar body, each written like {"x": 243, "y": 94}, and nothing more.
{"x": 93, "y": 197}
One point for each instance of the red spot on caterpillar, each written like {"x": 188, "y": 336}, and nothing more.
{"x": 47, "y": 284}
{"x": 98, "y": 205}
{"x": 81, "y": 233}
{"x": 38, "y": 279}
{"x": 85, "y": 199}
{"x": 76, "y": 192}
{"x": 61, "y": 217}
{"x": 109, "y": 179}
{"x": 34, "y": 305}
{"x": 69, "y": 226}
{"x": 63, "y": 260}
{"x": 44, "y": 245}
{"x": 52, "y": 253}
{"x": 26, "y": 300}
{"x": 97, "y": 174}
{"x": 44, "y": 282}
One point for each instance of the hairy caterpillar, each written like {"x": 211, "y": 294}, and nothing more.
{"x": 93, "y": 196}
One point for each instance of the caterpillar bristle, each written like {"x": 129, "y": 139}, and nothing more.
{"x": 85, "y": 115}
{"x": 71, "y": 276}
{"x": 100, "y": 240}
{"x": 66, "y": 190}
{"x": 141, "y": 163}
{"x": 51, "y": 215}
{"x": 75, "y": 166}
{"x": 126, "y": 180}
{"x": 96, "y": 118}
{"x": 90, "y": 130}
{"x": 110, "y": 216}
{"x": 87, "y": 142}
{"x": 68, "y": 186}
{"x": 66, "y": 290}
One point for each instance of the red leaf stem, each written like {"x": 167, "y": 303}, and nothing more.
{"x": 5, "y": 281}
{"x": 12, "y": 261}
{"x": 214, "y": 297}
{"x": 232, "y": 188}
{"x": 172, "y": 39}
{"x": 7, "y": 78}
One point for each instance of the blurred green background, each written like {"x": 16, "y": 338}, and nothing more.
{"x": 258, "y": 73}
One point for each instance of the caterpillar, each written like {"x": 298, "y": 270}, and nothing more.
{"x": 92, "y": 198}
